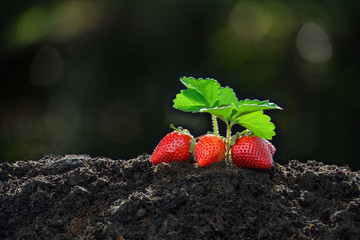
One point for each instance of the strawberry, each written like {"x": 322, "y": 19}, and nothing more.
{"x": 209, "y": 149}
{"x": 174, "y": 147}
{"x": 252, "y": 152}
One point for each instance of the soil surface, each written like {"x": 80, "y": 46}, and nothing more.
{"x": 79, "y": 197}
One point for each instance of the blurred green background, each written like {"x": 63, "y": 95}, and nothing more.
{"x": 99, "y": 77}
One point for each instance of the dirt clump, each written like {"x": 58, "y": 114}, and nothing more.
{"x": 79, "y": 197}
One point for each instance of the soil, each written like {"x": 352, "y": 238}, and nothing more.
{"x": 79, "y": 197}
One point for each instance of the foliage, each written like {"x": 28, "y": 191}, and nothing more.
{"x": 207, "y": 95}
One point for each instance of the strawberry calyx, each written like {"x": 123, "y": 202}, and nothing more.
{"x": 244, "y": 133}
{"x": 180, "y": 129}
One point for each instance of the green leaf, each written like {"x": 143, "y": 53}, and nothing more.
{"x": 227, "y": 96}
{"x": 208, "y": 88}
{"x": 206, "y": 95}
{"x": 247, "y": 106}
{"x": 258, "y": 123}
{"x": 226, "y": 104}
{"x": 224, "y": 113}
{"x": 189, "y": 100}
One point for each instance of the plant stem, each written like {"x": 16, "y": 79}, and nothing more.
{"x": 215, "y": 126}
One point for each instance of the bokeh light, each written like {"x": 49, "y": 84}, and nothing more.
{"x": 250, "y": 21}
{"x": 313, "y": 44}
{"x": 31, "y": 26}
{"x": 70, "y": 19}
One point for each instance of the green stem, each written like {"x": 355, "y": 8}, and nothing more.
{"x": 216, "y": 131}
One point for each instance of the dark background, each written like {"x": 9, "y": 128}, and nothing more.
{"x": 99, "y": 77}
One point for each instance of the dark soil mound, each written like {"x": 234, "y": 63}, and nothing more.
{"x": 83, "y": 198}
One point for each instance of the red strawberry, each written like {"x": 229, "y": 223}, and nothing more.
{"x": 209, "y": 149}
{"x": 252, "y": 152}
{"x": 174, "y": 147}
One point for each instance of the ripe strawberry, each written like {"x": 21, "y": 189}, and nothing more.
{"x": 252, "y": 152}
{"x": 174, "y": 147}
{"x": 209, "y": 149}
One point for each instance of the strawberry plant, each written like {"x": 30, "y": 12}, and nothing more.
{"x": 208, "y": 96}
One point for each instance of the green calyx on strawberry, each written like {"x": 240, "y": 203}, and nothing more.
{"x": 250, "y": 151}
{"x": 177, "y": 146}
{"x": 209, "y": 149}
